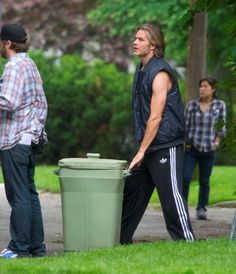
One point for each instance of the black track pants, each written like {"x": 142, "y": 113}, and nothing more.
{"x": 162, "y": 169}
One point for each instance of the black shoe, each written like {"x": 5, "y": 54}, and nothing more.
{"x": 201, "y": 214}
{"x": 39, "y": 251}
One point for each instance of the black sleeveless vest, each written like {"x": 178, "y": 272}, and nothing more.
{"x": 172, "y": 126}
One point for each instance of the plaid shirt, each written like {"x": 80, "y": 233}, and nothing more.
{"x": 200, "y": 126}
{"x": 23, "y": 105}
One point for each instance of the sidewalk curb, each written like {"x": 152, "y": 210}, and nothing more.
{"x": 228, "y": 204}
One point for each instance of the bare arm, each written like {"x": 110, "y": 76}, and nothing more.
{"x": 161, "y": 85}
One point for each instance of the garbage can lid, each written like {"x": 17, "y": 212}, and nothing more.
{"x": 92, "y": 162}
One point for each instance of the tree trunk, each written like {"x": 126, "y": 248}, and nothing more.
{"x": 197, "y": 54}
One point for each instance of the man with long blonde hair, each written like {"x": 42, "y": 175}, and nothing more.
{"x": 159, "y": 130}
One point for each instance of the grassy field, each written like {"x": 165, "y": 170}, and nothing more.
{"x": 163, "y": 257}
{"x": 223, "y": 184}
{"x": 45, "y": 178}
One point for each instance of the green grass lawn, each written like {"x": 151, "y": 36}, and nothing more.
{"x": 163, "y": 257}
{"x": 45, "y": 178}
{"x": 223, "y": 184}
{"x": 203, "y": 257}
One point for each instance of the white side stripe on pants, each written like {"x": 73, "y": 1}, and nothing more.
{"x": 177, "y": 197}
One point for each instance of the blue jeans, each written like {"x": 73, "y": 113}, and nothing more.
{"x": 205, "y": 161}
{"x": 26, "y": 224}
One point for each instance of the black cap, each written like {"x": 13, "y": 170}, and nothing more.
{"x": 13, "y": 32}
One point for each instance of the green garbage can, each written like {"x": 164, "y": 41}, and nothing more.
{"x": 91, "y": 194}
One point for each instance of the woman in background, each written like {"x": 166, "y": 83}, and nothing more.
{"x": 205, "y": 119}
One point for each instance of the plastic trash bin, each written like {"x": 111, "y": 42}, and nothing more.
{"x": 91, "y": 194}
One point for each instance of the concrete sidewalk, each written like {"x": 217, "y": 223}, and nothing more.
{"x": 151, "y": 228}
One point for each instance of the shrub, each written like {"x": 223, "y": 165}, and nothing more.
{"x": 89, "y": 108}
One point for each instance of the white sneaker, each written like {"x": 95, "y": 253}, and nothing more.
{"x": 201, "y": 214}
{"x": 8, "y": 254}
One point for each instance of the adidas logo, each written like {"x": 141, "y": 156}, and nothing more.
{"x": 163, "y": 160}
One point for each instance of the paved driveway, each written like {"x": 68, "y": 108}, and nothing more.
{"x": 151, "y": 228}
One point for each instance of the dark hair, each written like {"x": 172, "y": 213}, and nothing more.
{"x": 20, "y": 47}
{"x": 155, "y": 37}
{"x": 212, "y": 82}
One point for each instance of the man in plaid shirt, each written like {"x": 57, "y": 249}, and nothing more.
{"x": 23, "y": 112}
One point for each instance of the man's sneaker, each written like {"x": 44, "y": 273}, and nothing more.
{"x": 201, "y": 214}
{"x": 8, "y": 254}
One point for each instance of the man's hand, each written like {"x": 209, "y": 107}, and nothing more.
{"x": 136, "y": 160}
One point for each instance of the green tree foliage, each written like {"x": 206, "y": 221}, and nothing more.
{"x": 221, "y": 32}
{"x": 122, "y": 18}
{"x": 211, "y": 5}
{"x": 221, "y": 36}
{"x": 89, "y": 108}
{"x": 221, "y": 56}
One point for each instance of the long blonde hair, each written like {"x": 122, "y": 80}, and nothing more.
{"x": 155, "y": 37}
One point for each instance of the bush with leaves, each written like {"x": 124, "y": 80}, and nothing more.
{"x": 89, "y": 108}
